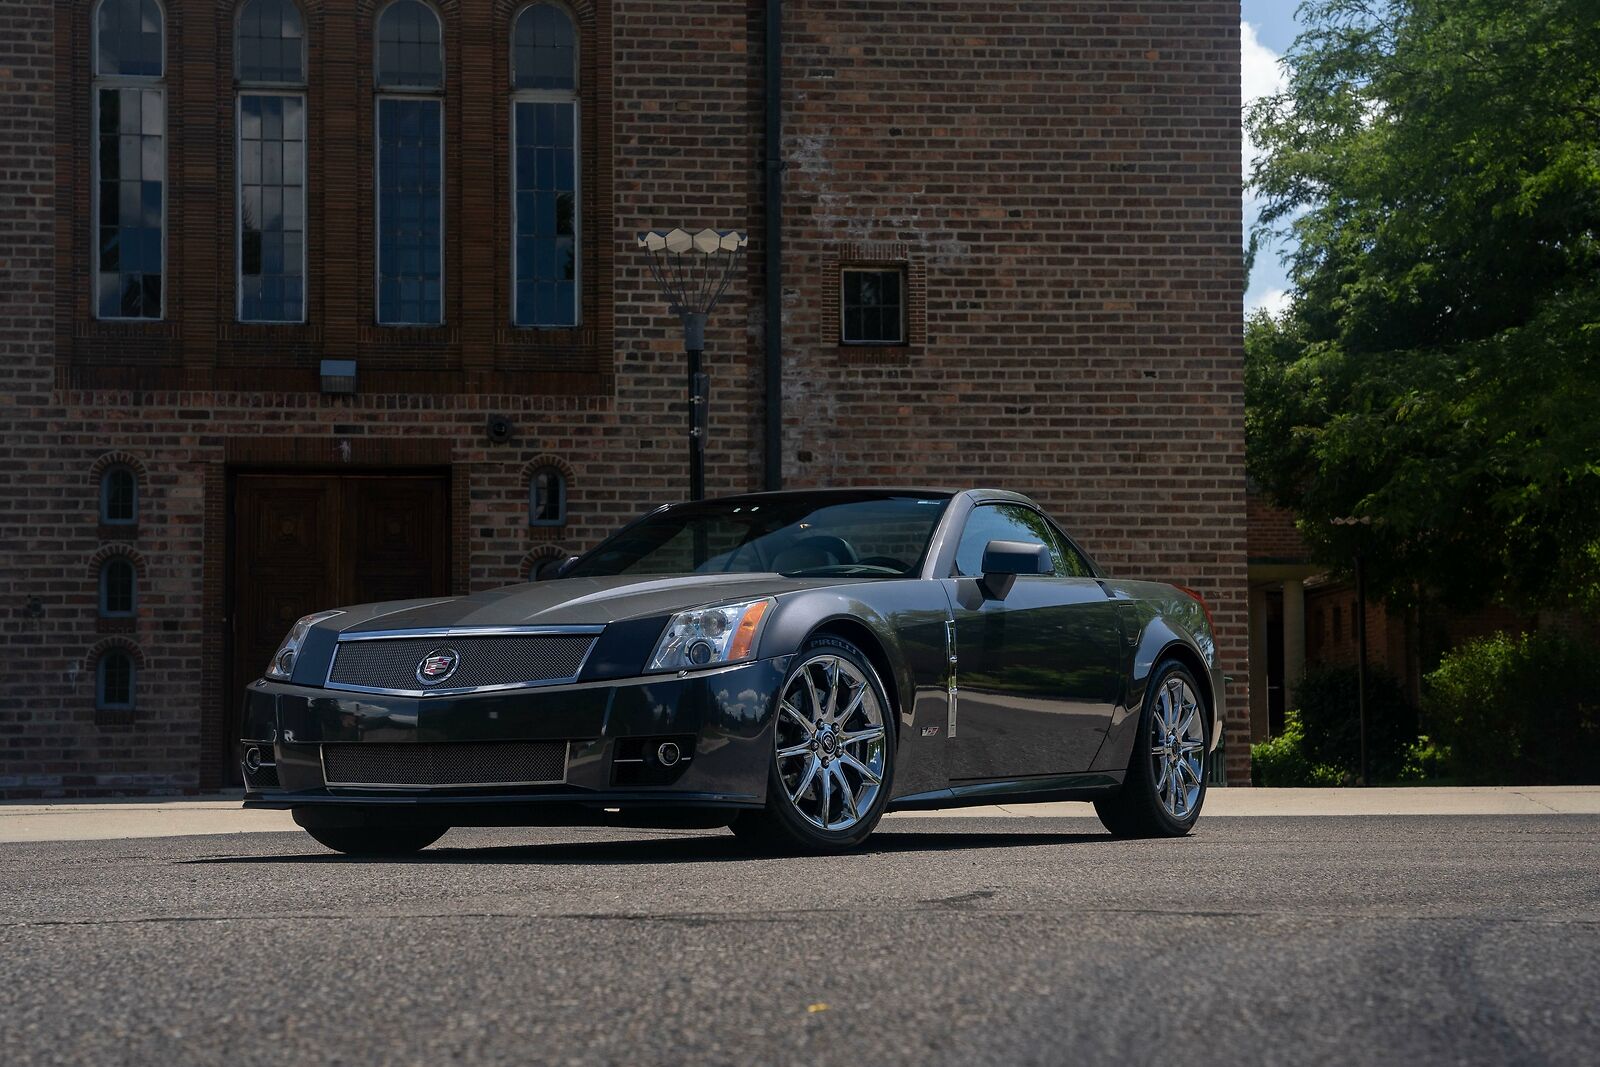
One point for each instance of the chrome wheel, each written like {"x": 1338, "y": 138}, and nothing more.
{"x": 830, "y": 742}
{"x": 1177, "y": 747}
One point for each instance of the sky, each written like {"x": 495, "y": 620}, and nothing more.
{"x": 1268, "y": 29}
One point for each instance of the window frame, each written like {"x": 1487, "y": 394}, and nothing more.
{"x": 105, "y": 495}
{"x": 99, "y": 82}
{"x": 574, "y": 96}
{"x": 243, "y": 87}
{"x": 100, "y": 701}
{"x": 905, "y": 304}
{"x": 104, "y": 585}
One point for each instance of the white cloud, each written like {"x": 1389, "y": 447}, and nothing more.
{"x": 1273, "y": 301}
{"x": 1261, "y": 75}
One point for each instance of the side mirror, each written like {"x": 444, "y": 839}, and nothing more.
{"x": 1004, "y": 560}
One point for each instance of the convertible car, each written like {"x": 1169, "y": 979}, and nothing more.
{"x": 791, "y": 665}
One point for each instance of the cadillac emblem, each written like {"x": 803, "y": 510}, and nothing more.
{"x": 438, "y": 665}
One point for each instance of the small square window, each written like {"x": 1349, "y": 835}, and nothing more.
{"x": 872, "y": 306}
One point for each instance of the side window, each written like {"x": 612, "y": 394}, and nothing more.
{"x": 1002, "y": 522}
{"x": 1069, "y": 561}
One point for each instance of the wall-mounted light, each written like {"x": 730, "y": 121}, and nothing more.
{"x": 339, "y": 377}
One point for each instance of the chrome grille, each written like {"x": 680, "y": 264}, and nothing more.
{"x": 501, "y": 660}
{"x": 458, "y": 764}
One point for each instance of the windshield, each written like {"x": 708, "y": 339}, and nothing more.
{"x": 822, "y": 535}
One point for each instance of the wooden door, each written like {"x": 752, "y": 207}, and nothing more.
{"x": 309, "y": 542}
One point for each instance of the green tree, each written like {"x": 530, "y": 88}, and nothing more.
{"x": 1437, "y": 164}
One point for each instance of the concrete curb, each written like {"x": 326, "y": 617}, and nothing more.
{"x": 104, "y": 820}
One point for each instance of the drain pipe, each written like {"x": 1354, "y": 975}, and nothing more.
{"x": 772, "y": 348}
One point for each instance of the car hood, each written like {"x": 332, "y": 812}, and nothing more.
{"x": 572, "y": 602}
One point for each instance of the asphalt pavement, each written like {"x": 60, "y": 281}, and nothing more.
{"x": 947, "y": 941}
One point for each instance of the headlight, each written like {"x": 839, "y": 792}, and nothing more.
{"x": 282, "y": 665}
{"x": 710, "y": 637}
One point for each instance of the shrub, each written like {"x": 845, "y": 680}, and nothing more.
{"x": 1282, "y": 761}
{"x": 1519, "y": 710}
{"x": 1328, "y": 699}
{"x": 1426, "y": 761}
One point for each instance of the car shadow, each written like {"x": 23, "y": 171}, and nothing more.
{"x": 717, "y": 848}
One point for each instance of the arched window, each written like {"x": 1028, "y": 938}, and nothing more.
{"x": 114, "y": 681}
{"x": 117, "y": 582}
{"x": 269, "y": 67}
{"x": 544, "y": 166}
{"x": 129, "y": 159}
{"x": 119, "y": 497}
{"x": 547, "y": 497}
{"x": 410, "y": 173}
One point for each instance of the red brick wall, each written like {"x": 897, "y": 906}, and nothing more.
{"x": 1066, "y": 177}
{"x": 1271, "y": 533}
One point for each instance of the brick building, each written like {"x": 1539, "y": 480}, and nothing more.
{"x": 1303, "y": 615}
{"x": 1010, "y": 254}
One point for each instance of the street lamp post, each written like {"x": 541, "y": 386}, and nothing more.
{"x": 693, "y": 270}
{"x": 1361, "y": 637}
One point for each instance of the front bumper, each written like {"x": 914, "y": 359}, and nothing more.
{"x": 723, "y": 719}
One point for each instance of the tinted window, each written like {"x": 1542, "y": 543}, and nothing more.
{"x": 1005, "y": 522}
{"x": 1069, "y": 561}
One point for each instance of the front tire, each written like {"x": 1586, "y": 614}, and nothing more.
{"x": 832, "y": 759}
{"x": 1165, "y": 786}
{"x": 377, "y": 840}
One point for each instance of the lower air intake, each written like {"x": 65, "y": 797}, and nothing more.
{"x": 454, "y": 765}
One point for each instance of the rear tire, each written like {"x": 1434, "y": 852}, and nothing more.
{"x": 1165, "y": 784}
{"x": 377, "y": 840}
{"x": 834, "y": 739}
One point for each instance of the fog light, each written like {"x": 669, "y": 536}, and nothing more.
{"x": 252, "y": 759}
{"x": 668, "y": 754}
